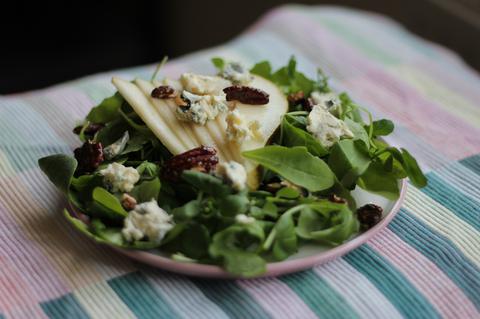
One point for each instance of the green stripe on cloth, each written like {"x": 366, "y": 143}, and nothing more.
{"x": 462, "y": 205}
{"x": 441, "y": 251}
{"x": 64, "y": 307}
{"x": 141, "y": 297}
{"x": 233, "y": 300}
{"x": 472, "y": 162}
{"x": 319, "y": 295}
{"x": 401, "y": 293}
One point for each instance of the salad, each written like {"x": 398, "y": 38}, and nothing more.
{"x": 235, "y": 169}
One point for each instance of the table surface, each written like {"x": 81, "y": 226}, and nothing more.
{"x": 424, "y": 264}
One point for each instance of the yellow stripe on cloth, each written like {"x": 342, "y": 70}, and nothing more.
{"x": 101, "y": 302}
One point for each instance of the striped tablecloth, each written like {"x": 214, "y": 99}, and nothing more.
{"x": 425, "y": 264}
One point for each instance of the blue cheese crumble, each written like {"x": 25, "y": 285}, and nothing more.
{"x": 117, "y": 147}
{"x": 119, "y": 178}
{"x": 233, "y": 173}
{"x": 239, "y": 130}
{"x": 147, "y": 220}
{"x": 237, "y": 73}
{"x": 328, "y": 101}
{"x": 201, "y": 108}
{"x": 244, "y": 219}
{"x": 203, "y": 96}
{"x": 325, "y": 127}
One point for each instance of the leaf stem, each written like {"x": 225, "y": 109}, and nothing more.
{"x": 297, "y": 113}
{"x": 157, "y": 69}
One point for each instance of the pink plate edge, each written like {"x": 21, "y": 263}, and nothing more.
{"x": 273, "y": 269}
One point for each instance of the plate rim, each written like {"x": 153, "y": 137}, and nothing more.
{"x": 273, "y": 268}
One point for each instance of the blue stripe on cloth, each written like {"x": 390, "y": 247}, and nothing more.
{"x": 441, "y": 251}
{"x": 64, "y": 307}
{"x": 233, "y": 300}
{"x": 472, "y": 162}
{"x": 319, "y": 295}
{"x": 141, "y": 297}
{"x": 399, "y": 291}
{"x": 461, "y": 204}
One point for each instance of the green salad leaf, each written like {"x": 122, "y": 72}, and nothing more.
{"x": 237, "y": 247}
{"x": 147, "y": 190}
{"x": 59, "y": 169}
{"x": 105, "y": 204}
{"x": 314, "y": 174}
{"x": 294, "y": 136}
{"x": 107, "y": 110}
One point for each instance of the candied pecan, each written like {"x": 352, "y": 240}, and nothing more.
{"x": 181, "y": 101}
{"x": 164, "y": 92}
{"x": 337, "y": 199}
{"x": 308, "y": 104}
{"x": 296, "y": 98}
{"x": 299, "y": 98}
{"x": 203, "y": 159}
{"x": 90, "y": 130}
{"x": 246, "y": 94}
{"x": 128, "y": 201}
{"x": 89, "y": 156}
{"x": 369, "y": 215}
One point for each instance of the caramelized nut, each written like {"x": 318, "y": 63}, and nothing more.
{"x": 164, "y": 92}
{"x": 369, "y": 215}
{"x": 203, "y": 159}
{"x": 246, "y": 95}
{"x": 89, "y": 156}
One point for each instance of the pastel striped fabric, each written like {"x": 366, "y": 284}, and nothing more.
{"x": 425, "y": 264}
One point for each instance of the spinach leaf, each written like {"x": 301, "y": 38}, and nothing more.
{"x": 294, "y": 136}
{"x": 233, "y": 204}
{"x": 288, "y": 193}
{"x": 348, "y": 160}
{"x": 219, "y": 63}
{"x": 81, "y": 226}
{"x": 264, "y": 69}
{"x": 187, "y": 212}
{"x": 358, "y": 131}
{"x": 147, "y": 190}
{"x": 206, "y": 183}
{"x": 59, "y": 170}
{"x": 111, "y": 132}
{"x": 269, "y": 209}
{"x": 377, "y": 180}
{"x": 193, "y": 241}
{"x": 291, "y": 81}
{"x": 111, "y": 235}
{"x": 313, "y": 173}
{"x": 285, "y": 242}
{"x": 107, "y": 110}
{"x": 148, "y": 170}
{"x": 414, "y": 172}
{"x": 237, "y": 248}
{"x": 106, "y": 205}
{"x": 327, "y": 222}
{"x": 382, "y": 127}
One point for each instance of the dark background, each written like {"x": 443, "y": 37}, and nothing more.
{"x": 43, "y": 43}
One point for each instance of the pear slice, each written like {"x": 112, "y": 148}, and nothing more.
{"x": 179, "y": 136}
{"x": 269, "y": 116}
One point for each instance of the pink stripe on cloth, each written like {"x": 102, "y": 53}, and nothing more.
{"x": 447, "y": 298}
{"x": 276, "y": 298}
{"x": 34, "y": 268}
{"x": 33, "y": 311}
